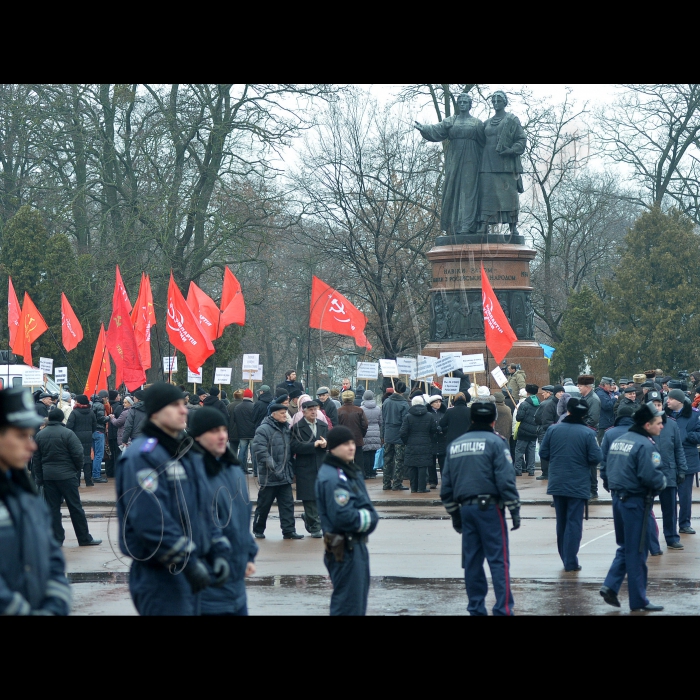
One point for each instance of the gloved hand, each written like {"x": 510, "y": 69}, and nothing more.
{"x": 221, "y": 570}
{"x": 457, "y": 521}
{"x": 515, "y": 517}
{"x": 605, "y": 485}
{"x": 680, "y": 478}
{"x": 197, "y": 575}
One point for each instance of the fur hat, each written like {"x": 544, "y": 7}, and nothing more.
{"x": 483, "y": 412}
{"x": 348, "y": 396}
{"x": 650, "y": 373}
{"x": 482, "y": 392}
{"x": 645, "y": 413}
{"x": 522, "y": 394}
{"x": 639, "y": 378}
{"x": 417, "y": 401}
{"x": 577, "y": 407}
{"x": 434, "y": 397}
{"x": 586, "y": 379}
{"x": 532, "y": 389}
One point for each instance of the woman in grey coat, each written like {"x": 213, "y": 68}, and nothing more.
{"x": 373, "y": 440}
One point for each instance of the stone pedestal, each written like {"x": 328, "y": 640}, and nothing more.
{"x": 456, "y": 314}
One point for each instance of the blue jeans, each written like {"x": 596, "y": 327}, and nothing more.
{"x": 98, "y": 444}
{"x": 243, "y": 445}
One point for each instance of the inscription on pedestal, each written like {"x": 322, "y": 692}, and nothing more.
{"x": 459, "y": 275}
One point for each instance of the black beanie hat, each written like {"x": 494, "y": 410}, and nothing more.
{"x": 159, "y": 395}
{"x": 483, "y": 412}
{"x": 113, "y": 395}
{"x": 57, "y": 415}
{"x": 337, "y": 436}
{"x": 82, "y": 399}
{"x": 295, "y": 393}
{"x": 214, "y": 391}
{"x": 205, "y": 419}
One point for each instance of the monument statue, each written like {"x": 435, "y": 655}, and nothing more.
{"x": 460, "y": 191}
{"x": 483, "y": 170}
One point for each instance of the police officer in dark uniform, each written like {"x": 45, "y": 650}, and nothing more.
{"x": 633, "y": 474}
{"x": 32, "y": 569}
{"x": 164, "y": 504}
{"x": 347, "y": 517}
{"x": 477, "y": 484}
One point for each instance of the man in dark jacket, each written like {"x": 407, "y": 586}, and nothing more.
{"x": 83, "y": 423}
{"x": 571, "y": 448}
{"x": 456, "y": 420}
{"x": 585, "y": 384}
{"x": 290, "y": 383}
{"x": 418, "y": 433}
{"x": 393, "y": 411}
{"x": 607, "y": 404}
{"x": 32, "y": 569}
{"x": 245, "y": 424}
{"x": 57, "y": 461}
{"x": 688, "y": 419}
{"x": 273, "y": 456}
{"x": 213, "y": 401}
{"x": 527, "y": 432}
{"x": 628, "y": 396}
{"x": 116, "y": 407}
{"x": 547, "y": 415}
{"x": 327, "y": 405}
{"x": 308, "y": 445}
{"x": 44, "y": 404}
{"x": 135, "y": 420}
{"x": 262, "y": 405}
{"x": 116, "y": 402}
{"x": 232, "y": 510}
{"x": 194, "y": 404}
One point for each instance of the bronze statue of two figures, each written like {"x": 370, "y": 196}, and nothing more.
{"x": 483, "y": 170}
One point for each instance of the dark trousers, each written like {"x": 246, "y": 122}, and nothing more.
{"x": 368, "y": 457}
{"x": 525, "y": 456}
{"x": 350, "y": 579}
{"x": 628, "y": 518}
{"x": 312, "y": 520}
{"x": 235, "y": 444}
{"x": 111, "y": 461}
{"x": 594, "y": 479}
{"x": 54, "y": 493}
{"x": 418, "y": 477}
{"x": 393, "y": 465}
{"x": 87, "y": 471}
{"x": 285, "y": 504}
{"x": 432, "y": 471}
{"x": 685, "y": 498}
{"x": 667, "y": 499}
{"x": 653, "y": 534}
{"x": 157, "y": 591}
{"x": 569, "y": 513}
{"x": 544, "y": 465}
{"x": 485, "y": 535}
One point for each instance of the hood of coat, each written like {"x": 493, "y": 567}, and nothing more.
{"x": 370, "y": 404}
{"x": 418, "y": 410}
{"x": 265, "y": 397}
{"x": 397, "y": 397}
{"x": 139, "y": 406}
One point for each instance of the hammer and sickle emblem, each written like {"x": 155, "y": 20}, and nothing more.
{"x": 338, "y": 308}
{"x": 28, "y": 327}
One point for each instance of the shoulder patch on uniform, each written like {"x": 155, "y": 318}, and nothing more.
{"x": 341, "y": 497}
{"x": 147, "y": 479}
{"x": 508, "y": 457}
{"x": 149, "y": 445}
{"x": 656, "y": 459}
{"x": 341, "y": 475}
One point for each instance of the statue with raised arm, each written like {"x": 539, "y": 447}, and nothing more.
{"x": 500, "y": 174}
{"x": 460, "y": 191}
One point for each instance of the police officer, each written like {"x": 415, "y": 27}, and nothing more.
{"x": 32, "y": 569}
{"x": 347, "y": 517}
{"x": 478, "y": 481}
{"x": 164, "y": 504}
{"x": 633, "y": 471}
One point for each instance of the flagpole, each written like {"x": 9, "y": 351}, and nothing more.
{"x": 62, "y": 349}
{"x": 102, "y": 365}
{"x": 308, "y": 354}
{"x": 160, "y": 352}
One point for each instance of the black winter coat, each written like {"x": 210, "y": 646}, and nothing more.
{"x": 419, "y": 432}
{"x": 218, "y": 404}
{"x": 526, "y": 416}
{"x": 394, "y": 410}
{"x": 287, "y": 387}
{"x": 42, "y": 409}
{"x": 83, "y": 423}
{"x": 456, "y": 421}
{"x": 59, "y": 453}
{"x": 98, "y": 409}
{"x": 117, "y": 408}
{"x": 308, "y": 459}
{"x": 261, "y": 406}
{"x": 464, "y": 381}
{"x": 440, "y": 444}
{"x": 245, "y": 423}
{"x": 135, "y": 422}
{"x": 546, "y": 415}
{"x": 232, "y": 425}
{"x": 331, "y": 411}
{"x": 273, "y": 454}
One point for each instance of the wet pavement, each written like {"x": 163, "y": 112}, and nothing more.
{"x": 415, "y": 562}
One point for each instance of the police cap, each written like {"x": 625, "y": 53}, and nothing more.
{"x": 654, "y": 396}
{"x": 17, "y": 409}
{"x": 482, "y": 412}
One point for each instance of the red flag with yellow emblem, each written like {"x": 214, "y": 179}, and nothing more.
{"x": 123, "y": 347}
{"x": 31, "y": 326}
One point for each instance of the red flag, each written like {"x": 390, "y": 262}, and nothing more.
{"x": 31, "y": 326}
{"x": 205, "y": 311}
{"x": 71, "y": 329}
{"x": 184, "y": 330}
{"x": 120, "y": 290}
{"x": 13, "y": 312}
{"x": 497, "y": 331}
{"x": 142, "y": 318}
{"x": 331, "y": 311}
{"x": 122, "y": 346}
{"x": 232, "y": 304}
{"x": 99, "y": 369}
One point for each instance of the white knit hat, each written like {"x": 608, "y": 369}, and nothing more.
{"x": 482, "y": 392}
{"x": 417, "y": 401}
{"x": 522, "y": 394}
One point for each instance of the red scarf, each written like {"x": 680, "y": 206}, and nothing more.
{"x": 696, "y": 401}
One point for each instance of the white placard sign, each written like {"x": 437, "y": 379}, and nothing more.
{"x": 473, "y": 363}
{"x": 255, "y": 376}
{"x": 368, "y": 370}
{"x": 46, "y": 365}
{"x": 498, "y": 375}
{"x": 450, "y": 354}
{"x": 32, "y": 377}
{"x": 425, "y": 367}
{"x": 251, "y": 362}
{"x": 389, "y": 368}
{"x": 61, "y": 375}
{"x": 450, "y": 386}
{"x": 406, "y": 365}
{"x": 194, "y": 377}
{"x": 222, "y": 375}
{"x": 170, "y": 364}
{"x": 445, "y": 365}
